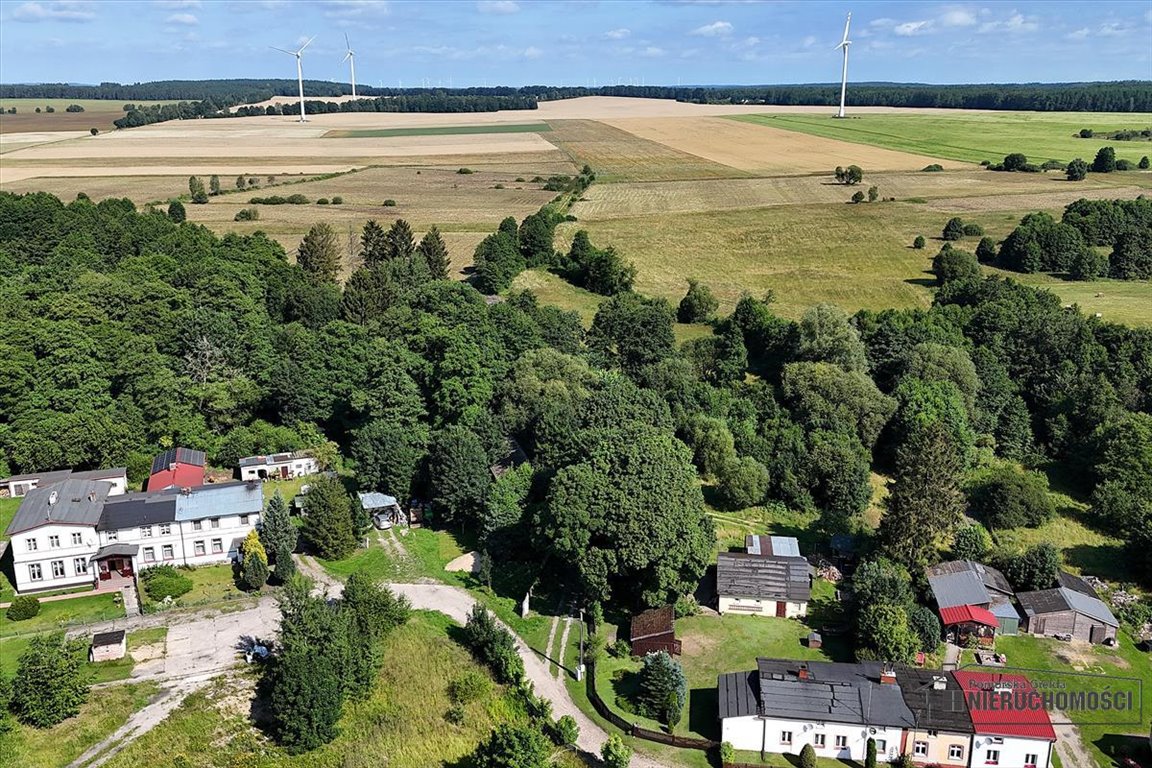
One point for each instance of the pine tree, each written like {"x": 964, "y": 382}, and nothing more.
{"x": 319, "y": 254}
{"x": 328, "y": 522}
{"x": 176, "y": 211}
{"x": 276, "y": 529}
{"x": 373, "y": 246}
{"x": 254, "y": 569}
{"x": 870, "y": 755}
{"x": 400, "y": 243}
{"x": 285, "y": 565}
{"x": 214, "y": 185}
{"x": 807, "y": 757}
{"x": 435, "y": 253}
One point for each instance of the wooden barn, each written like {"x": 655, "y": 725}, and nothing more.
{"x": 653, "y": 631}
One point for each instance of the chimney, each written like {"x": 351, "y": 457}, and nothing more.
{"x": 186, "y": 491}
{"x": 91, "y": 495}
{"x": 52, "y": 497}
{"x": 939, "y": 682}
{"x": 887, "y": 676}
{"x": 802, "y": 673}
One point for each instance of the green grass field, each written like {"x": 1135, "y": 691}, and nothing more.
{"x": 400, "y": 725}
{"x": 975, "y": 136}
{"x": 440, "y": 130}
{"x": 90, "y": 105}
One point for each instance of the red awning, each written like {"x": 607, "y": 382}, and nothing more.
{"x": 968, "y": 614}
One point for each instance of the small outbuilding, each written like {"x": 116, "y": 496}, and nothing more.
{"x": 963, "y": 622}
{"x": 1068, "y": 611}
{"x": 653, "y": 631}
{"x": 108, "y": 646}
{"x": 383, "y": 509}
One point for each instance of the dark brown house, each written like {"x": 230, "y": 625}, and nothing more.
{"x": 653, "y": 631}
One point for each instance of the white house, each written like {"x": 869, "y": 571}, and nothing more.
{"x": 770, "y": 578}
{"x": 73, "y": 533}
{"x": 19, "y": 485}
{"x": 278, "y": 465}
{"x": 1019, "y": 738}
{"x": 785, "y": 704}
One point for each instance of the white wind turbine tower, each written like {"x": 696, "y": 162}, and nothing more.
{"x": 350, "y": 57}
{"x": 844, "y": 76}
{"x": 299, "y": 71}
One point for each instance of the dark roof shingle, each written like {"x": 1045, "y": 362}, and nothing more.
{"x": 71, "y": 502}
{"x": 755, "y": 576}
{"x": 657, "y": 621}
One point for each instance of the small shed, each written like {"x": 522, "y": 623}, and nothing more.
{"x": 962, "y": 622}
{"x": 1063, "y": 610}
{"x": 654, "y": 630}
{"x": 108, "y": 646}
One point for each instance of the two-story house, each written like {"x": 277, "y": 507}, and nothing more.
{"x": 1018, "y": 738}
{"x": 53, "y": 534}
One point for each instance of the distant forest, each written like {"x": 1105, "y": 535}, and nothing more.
{"x": 1120, "y": 96}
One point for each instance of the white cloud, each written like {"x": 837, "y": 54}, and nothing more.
{"x": 912, "y": 28}
{"x": 1014, "y": 23}
{"x": 176, "y": 5}
{"x": 715, "y": 29}
{"x": 808, "y": 42}
{"x": 497, "y": 6}
{"x": 617, "y": 34}
{"x": 532, "y": 52}
{"x": 652, "y": 52}
{"x": 957, "y": 17}
{"x": 54, "y": 11}
{"x": 882, "y": 22}
{"x": 184, "y": 19}
{"x": 1112, "y": 29}
{"x": 1080, "y": 34}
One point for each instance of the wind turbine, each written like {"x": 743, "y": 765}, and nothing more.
{"x": 299, "y": 71}
{"x": 350, "y": 57}
{"x": 844, "y": 76}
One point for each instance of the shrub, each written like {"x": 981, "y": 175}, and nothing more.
{"x": 93, "y": 131}
{"x": 954, "y": 229}
{"x": 74, "y": 108}
{"x": 165, "y": 581}
{"x": 1010, "y": 498}
{"x": 1124, "y": 165}
{"x": 322, "y": 201}
{"x": 469, "y": 687}
{"x": 727, "y": 752}
{"x": 389, "y": 203}
{"x": 873, "y": 194}
{"x": 566, "y": 731}
{"x": 807, "y": 757}
{"x": 337, "y": 200}
{"x": 1015, "y": 162}
{"x": 971, "y": 542}
{"x": 1087, "y": 133}
{"x": 986, "y": 250}
{"x": 497, "y": 186}
{"x": 246, "y": 214}
{"x": 933, "y": 168}
{"x": 615, "y": 753}
{"x": 985, "y": 163}
{"x": 918, "y": 243}
{"x": 176, "y": 211}
{"x": 23, "y": 608}
{"x": 973, "y": 229}
{"x": 296, "y": 199}
{"x": 620, "y": 649}
{"x": 520, "y": 179}
{"x": 1077, "y": 170}
{"x": 465, "y": 171}
{"x": 858, "y": 197}
{"x": 455, "y": 714}
{"x": 1105, "y": 161}
{"x": 1143, "y": 164}
{"x": 685, "y": 606}
{"x": 663, "y": 688}
{"x": 1052, "y": 165}
{"x": 493, "y": 645}
{"x": 698, "y": 304}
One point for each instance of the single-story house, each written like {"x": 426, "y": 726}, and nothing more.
{"x": 278, "y": 466}
{"x": 1063, "y": 610}
{"x": 942, "y": 730}
{"x": 108, "y": 646}
{"x": 962, "y": 622}
{"x": 180, "y": 467}
{"x": 1020, "y": 738}
{"x": 654, "y": 630}
{"x": 770, "y": 578}
{"x": 783, "y": 705}
{"x": 18, "y": 486}
{"x": 965, "y": 582}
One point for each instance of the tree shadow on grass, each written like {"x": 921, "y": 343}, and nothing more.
{"x": 1103, "y": 560}
{"x": 703, "y": 704}
{"x": 1118, "y": 746}
{"x": 924, "y": 282}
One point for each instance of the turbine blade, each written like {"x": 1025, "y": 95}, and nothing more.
{"x": 847, "y": 24}
{"x": 346, "y": 57}
{"x": 347, "y": 44}
{"x": 290, "y": 53}
{"x": 306, "y": 44}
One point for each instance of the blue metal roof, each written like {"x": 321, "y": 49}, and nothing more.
{"x": 220, "y": 500}
{"x": 375, "y": 500}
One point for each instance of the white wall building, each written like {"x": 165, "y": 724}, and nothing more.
{"x": 72, "y": 533}
{"x": 1023, "y": 738}
{"x": 18, "y": 486}
{"x": 770, "y": 578}
{"x": 278, "y": 466}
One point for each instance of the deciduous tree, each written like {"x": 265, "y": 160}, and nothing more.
{"x": 51, "y": 683}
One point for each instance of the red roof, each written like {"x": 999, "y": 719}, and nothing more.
{"x": 963, "y": 614}
{"x": 181, "y": 475}
{"x": 1005, "y": 705}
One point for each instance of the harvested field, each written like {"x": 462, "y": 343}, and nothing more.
{"x": 974, "y": 136}
{"x": 138, "y": 189}
{"x": 982, "y": 189}
{"x": 1036, "y": 201}
{"x": 617, "y": 155}
{"x": 764, "y": 151}
{"x": 446, "y": 130}
{"x": 98, "y": 113}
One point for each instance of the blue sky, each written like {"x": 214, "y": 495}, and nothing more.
{"x": 576, "y": 42}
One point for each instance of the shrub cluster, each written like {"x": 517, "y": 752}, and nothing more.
{"x": 493, "y": 645}
{"x": 23, "y": 608}
{"x": 296, "y": 199}
{"x": 165, "y": 581}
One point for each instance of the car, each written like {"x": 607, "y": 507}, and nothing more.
{"x": 382, "y": 522}
{"x": 1065, "y": 636}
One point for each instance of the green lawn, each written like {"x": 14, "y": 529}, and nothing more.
{"x": 105, "y": 711}
{"x": 210, "y": 584}
{"x": 1104, "y": 739}
{"x": 8, "y": 507}
{"x": 60, "y": 613}
{"x": 440, "y": 130}
{"x": 400, "y": 725}
{"x": 1085, "y": 550}
{"x": 975, "y": 136}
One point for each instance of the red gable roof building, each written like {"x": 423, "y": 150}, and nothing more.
{"x": 1012, "y": 726}
{"x": 181, "y": 467}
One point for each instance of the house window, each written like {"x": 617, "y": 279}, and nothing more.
{"x": 818, "y": 740}
{"x": 149, "y": 554}
{"x": 166, "y": 551}
{"x": 243, "y": 519}
{"x": 215, "y": 522}
{"x": 1029, "y": 760}
{"x": 955, "y": 752}
{"x": 785, "y": 737}
{"x": 217, "y": 546}
{"x": 77, "y": 539}
{"x": 81, "y": 565}
{"x": 165, "y": 529}
{"x": 58, "y": 569}
{"x": 841, "y": 742}
{"x": 31, "y": 544}
{"x": 112, "y": 535}
{"x": 34, "y": 572}
{"x": 933, "y": 734}
{"x": 992, "y": 757}
{"x": 199, "y": 548}
{"x": 54, "y": 542}
{"x": 197, "y": 525}
{"x": 920, "y": 749}
{"x": 145, "y": 531}
{"x": 881, "y": 746}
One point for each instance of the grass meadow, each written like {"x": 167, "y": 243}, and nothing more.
{"x": 975, "y": 136}
{"x": 98, "y": 113}
{"x": 401, "y": 724}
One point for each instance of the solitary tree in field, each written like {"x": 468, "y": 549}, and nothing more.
{"x": 1143, "y": 164}
{"x": 214, "y": 184}
{"x": 319, "y": 253}
{"x": 850, "y": 175}
{"x": 873, "y": 193}
{"x": 1105, "y": 161}
{"x": 918, "y": 243}
{"x": 1015, "y": 161}
{"x": 241, "y": 182}
{"x": 435, "y": 253}
{"x": 954, "y": 229}
{"x": 858, "y": 197}
{"x": 1077, "y": 170}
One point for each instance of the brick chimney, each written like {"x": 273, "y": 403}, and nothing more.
{"x": 887, "y": 676}
{"x": 802, "y": 672}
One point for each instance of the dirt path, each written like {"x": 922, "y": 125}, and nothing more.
{"x": 1069, "y": 745}
{"x": 548, "y": 653}
{"x": 561, "y": 670}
